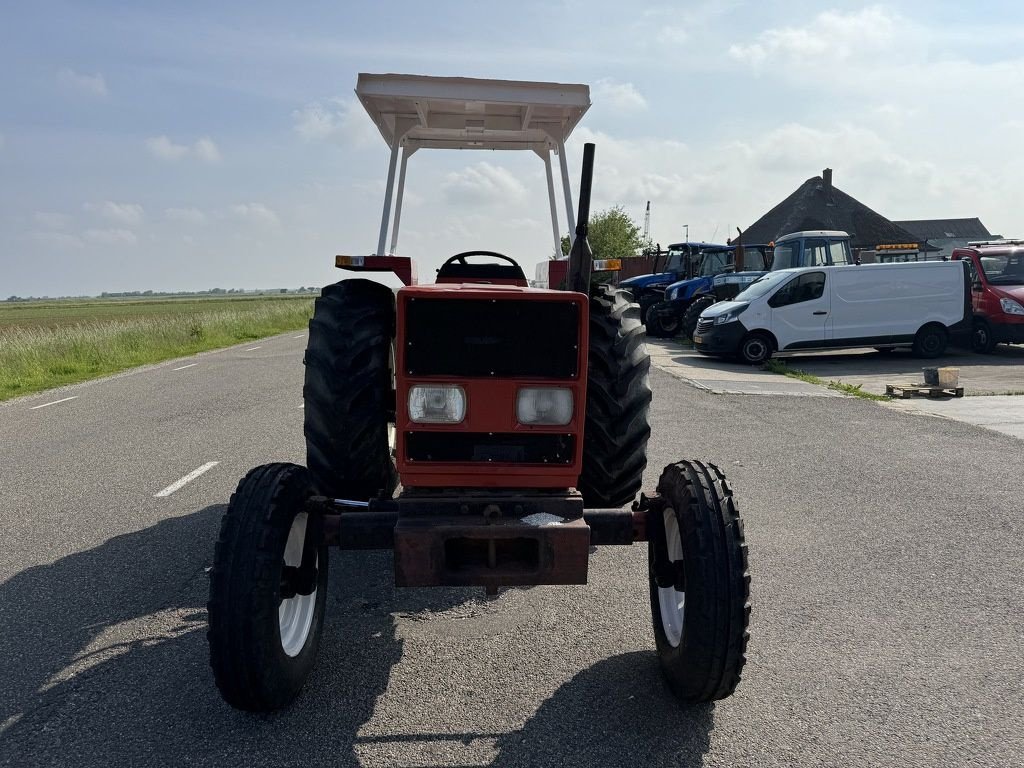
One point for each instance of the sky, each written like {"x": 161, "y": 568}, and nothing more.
{"x": 192, "y": 145}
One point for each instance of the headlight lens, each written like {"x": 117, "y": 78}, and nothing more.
{"x": 544, "y": 405}
{"x": 437, "y": 404}
{"x": 1011, "y": 307}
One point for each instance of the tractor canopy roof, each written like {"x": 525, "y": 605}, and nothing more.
{"x": 471, "y": 113}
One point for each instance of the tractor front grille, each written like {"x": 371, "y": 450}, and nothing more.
{"x": 500, "y": 338}
{"x": 703, "y": 326}
{"x": 510, "y": 448}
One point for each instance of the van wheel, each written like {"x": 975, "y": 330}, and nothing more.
{"x": 982, "y": 340}
{"x": 930, "y": 342}
{"x": 755, "y": 349}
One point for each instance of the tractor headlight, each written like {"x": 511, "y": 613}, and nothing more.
{"x": 437, "y": 404}
{"x": 544, "y": 405}
{"x": 1011, "y": 307}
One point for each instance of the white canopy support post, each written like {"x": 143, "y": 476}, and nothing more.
{"x": 570, "y": 216}
{"x": 552, "y": 205}
{"x": 406, "y": 152}
{"x": 385, "y": 217}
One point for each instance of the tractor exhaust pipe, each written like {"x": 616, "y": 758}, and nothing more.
{"x": 581, "y": 258}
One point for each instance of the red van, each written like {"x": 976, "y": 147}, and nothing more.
{"x": 997, "y": 294}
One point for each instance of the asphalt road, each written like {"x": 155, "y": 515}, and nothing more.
{"x": 885, "y": 550}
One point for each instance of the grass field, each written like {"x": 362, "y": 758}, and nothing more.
{"x": 51, "y": 343}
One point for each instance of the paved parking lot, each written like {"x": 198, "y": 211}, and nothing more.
{"x": 993, "y": 384}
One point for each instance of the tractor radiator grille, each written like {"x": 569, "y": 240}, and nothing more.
{"x": 509, "y": 448}
{"x": 482, "y": 337}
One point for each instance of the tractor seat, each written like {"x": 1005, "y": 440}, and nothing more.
{"x": 458, "y": 268}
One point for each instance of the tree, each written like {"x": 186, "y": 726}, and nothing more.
{"x": 612, "y": 235}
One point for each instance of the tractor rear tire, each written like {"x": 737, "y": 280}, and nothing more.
{"x": 701, "y": 610}
{"x": 263, "y": 641}
{"x": 618, "y": 399}
{"x": 348, "y": 391}
{"x": 692, "y": 314}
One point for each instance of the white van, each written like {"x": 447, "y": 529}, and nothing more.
{"x": 920, "y": 304}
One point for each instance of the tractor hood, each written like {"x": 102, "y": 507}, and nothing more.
{"x": 648, "y": 281}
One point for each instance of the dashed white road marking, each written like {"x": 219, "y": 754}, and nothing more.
{"x": 258, "y": 346}
{"x": 300, "y": 336}
{"x": 186, "y": 479}
{"x": 182, "y": 368}
{"x": 44, "y": 405}
{"x": 302, "y": 406}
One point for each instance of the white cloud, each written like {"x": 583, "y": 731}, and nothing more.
{"x": 56, "y": 239}
{"x": 206, "y": 150}
{"x": 128, "y": 214}
{"x": 51, "y": 220}
{"x": 256, "y": 212}
{"x": 110, "y": 236}
{"x": 621, "y": 96}
{"x": 336, "y": 120}
{"x": 93, "y": 85}
{"x": 185, "y": 215}
{"x": 482, "y": 184}
{"x": 832, "y": 36}
{"x": 164, "y": 148}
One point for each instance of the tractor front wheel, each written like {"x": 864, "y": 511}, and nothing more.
{"x": 699, "y": 584}
{"x": 659, "y": 323}
{"x": 266, "y": 607}
{"x": 618, "y": 398}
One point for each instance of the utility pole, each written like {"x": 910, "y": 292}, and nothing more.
{"x": 647, "y": 223}
{"x": 687, "y": 226}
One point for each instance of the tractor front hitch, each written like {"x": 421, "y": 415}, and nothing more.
{"x": 489, "y": 540}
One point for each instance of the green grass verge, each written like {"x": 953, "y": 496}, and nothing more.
{"x": 777, "y": 366}
{"x": 34, "y": 358}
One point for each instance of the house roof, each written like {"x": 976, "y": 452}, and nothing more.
{"x": 943, "y": 229}
{"x": 812, "y": 206}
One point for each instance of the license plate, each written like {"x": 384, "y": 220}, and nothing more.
{"x": 697, "y": 339}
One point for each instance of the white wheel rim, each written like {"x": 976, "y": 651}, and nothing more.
{"x": 295, "y": 614}
{"x": 671, "y": 600}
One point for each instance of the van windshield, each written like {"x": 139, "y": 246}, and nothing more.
{"x": 763, "y": 285}
{"x": 1004, "y": 268}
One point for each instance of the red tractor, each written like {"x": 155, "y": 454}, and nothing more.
{"x": 488, "y": 432}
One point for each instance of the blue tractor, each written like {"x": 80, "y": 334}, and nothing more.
{"x": 679, "y": 262}
{"x": 684, "y": 300}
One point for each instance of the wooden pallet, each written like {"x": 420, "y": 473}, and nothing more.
{"x": 905, "y": 391}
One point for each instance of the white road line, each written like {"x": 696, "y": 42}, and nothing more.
{"x": 184, "y": 367}
{"x": 186, "y": 479}
{"x": 44, "y": 405}
{"x": 300, "y": 336}
{"x": 258, "y": 346}
{"x": 302, "y": 406}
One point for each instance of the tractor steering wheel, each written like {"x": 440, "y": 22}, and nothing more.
{"x": 460, "y": 258}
